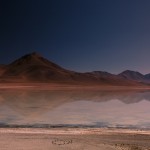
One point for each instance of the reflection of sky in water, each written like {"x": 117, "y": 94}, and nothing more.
{"x": 101, "y": 108}
{"x": 112, "y": 113}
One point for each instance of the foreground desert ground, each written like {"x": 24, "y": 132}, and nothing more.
{"x": 73, "y": 139}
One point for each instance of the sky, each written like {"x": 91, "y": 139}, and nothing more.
{"x": 81, "y": 35}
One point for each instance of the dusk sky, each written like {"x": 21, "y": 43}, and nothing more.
{"x": 81, "y": 35}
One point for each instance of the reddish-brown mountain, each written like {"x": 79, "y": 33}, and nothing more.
{"x": 34, "y": 68}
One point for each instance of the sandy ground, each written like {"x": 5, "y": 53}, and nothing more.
{"x": 74, "y": 139}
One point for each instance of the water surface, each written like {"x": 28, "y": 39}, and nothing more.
{"x": 92, "y": 108}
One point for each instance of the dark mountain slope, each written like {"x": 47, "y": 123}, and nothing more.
{"x": 34, "y": 68}
{"x": 135, "y": 76}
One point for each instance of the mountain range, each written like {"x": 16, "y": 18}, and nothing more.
{"x": 33, "y": 68}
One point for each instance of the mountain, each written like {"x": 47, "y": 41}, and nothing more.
{"x": 2, "y": 69}
{"x": 147, "y": 76}
{"x": 135, "y": 76}
{"x": 132, "y": 75}
{"x": 34, "y": 68}
{"x": 109, "y": 78}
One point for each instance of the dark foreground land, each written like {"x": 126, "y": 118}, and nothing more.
{"x": 74, "y": 139}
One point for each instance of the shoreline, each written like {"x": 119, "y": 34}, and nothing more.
{"x": 66, "y": 130}
{"x": 53, "y": 86}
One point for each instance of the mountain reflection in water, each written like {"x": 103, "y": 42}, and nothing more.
{"x": 75, "y": 108}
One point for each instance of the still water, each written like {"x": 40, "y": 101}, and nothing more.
{"x": 48, "y": 108}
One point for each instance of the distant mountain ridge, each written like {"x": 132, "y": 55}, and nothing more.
{"x": 135, "y": 76}
{"x": 34, "y": 68}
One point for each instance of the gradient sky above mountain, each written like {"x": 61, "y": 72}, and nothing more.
{"x": 82, "y": 35}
